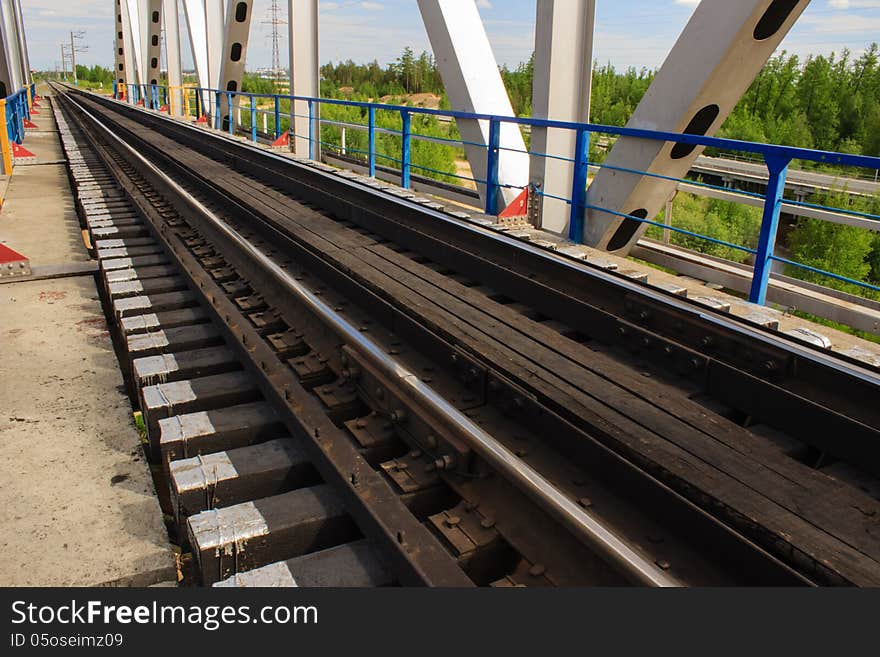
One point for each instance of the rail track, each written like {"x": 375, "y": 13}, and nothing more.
{"x": 343, "y": 387}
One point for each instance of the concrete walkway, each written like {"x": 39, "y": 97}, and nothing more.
{"x": 77, "y": 502}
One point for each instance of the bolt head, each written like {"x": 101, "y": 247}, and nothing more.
{"x": 453, "y": 521}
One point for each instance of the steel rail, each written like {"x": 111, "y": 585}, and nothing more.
{"x": 835, "y": 361}
{"x": 584, "y": 525}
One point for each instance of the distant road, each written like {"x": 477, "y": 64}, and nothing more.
{"x": 752, "y": 172}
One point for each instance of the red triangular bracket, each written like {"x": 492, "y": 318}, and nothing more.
{"x": 12, "y": 263}
{"x": 518, "y": 208}
{"x": 164, "y": 108}
{"x": 33, "y": 111}
{"x": 140, "y": 103}
{"x": 283, "y": 140}
{"x": 202, "y": 119}
{"x": 30, "y": 125}
{"x": 9, "y": 255}
{"x": 19, "y": 151}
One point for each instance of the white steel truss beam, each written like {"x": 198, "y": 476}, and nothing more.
{"x": 473, "y": 82}
{"x": 215, "y": 11}
{"x": 197, "y": 28}
{"x": 171, "y": 21}
{"x": 22, "y": 44}
{"x": 235, "y": 43}
{"x": 722, "y": 49}
{"x": 194, "y": 11}
{"x": 561, "y": 92}
{"x": 130, "y": 65}
{"x": 304, "y": 75}
{"x": 11, "y": 67}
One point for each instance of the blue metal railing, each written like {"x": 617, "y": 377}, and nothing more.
{"x": 777, "y": 159}
{"x": 17, "y": 111}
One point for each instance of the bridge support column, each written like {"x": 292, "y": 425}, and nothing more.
{"x": 235, "y": 43}
{"x": 561, "y": 91}
{"x": 716, "y": 58}
{"x": 153, "y": 26}
{"x": 473, "y": 82}
{"x": 171, "y": 18}
{"x": 120, "y": 70}
{"x": 304, "y": 77}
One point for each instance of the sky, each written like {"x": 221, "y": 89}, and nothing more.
{"x": 635, "y": 33}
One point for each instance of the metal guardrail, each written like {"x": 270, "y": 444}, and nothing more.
{"x": 15, "y": 109}
{"x": 208, "y": 103}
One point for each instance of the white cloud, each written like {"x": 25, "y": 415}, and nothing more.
{"x": 841, "y": 23}
{"x": 372, "y": 6}
{"x": 854, "y": 4}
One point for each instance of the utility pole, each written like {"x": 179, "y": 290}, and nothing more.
{"x": 63, "y": 62}
{"x": 73, "y": 50}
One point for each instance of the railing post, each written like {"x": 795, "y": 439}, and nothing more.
{"x": 231, "y": 116}
{"x": 312, "y": 136}
{"x": 5, "y": 146}
{"x": 115, "y": 90}
{"x": 254, "y": 119}
{"x": 198, "y": 97}
{"x": 778, "y": 168}
{"x": 579, "y": 186}
{"x": 405, "y": 149}
{"x": 11, "y": 121}
{"x": 371, "y": 137}
{"x": 492, "y": 153}
{"x": 19, "y": 119}
{"x": 217, "y": 125}
{"x": 277, "y": 116}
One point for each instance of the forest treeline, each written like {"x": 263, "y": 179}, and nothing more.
{"x": 823, "y": 102}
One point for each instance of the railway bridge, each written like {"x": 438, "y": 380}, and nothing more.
{"x": 241, "y": 354}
